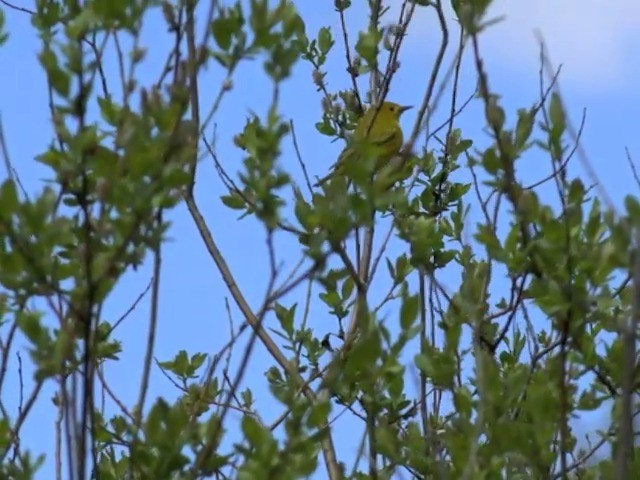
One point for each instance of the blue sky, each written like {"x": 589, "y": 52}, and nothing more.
{"x": 597, "y": 42}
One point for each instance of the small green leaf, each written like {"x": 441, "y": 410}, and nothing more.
{"x": 409, "y": 311}
{"x": 437, "y": 365}
{"x": 490, "y": 161}
{"x": 460, "y": 147}
{"x": 223, "y": 29}
{"x": 254, "y": 433}
{"x": 463, "y": 402}
{"x": 234, "y": 201}
{"x": 367, "y": 45}
{"x": 325, "y": 128}
{"x": 325, "y": 41}
{"x": 247, "y": 398}
{"x": 458, "y": 190}
{"x": 31, "y": 325}
{"x": 633, "y": 207}
{"x": 3, "y": 35}
{"x": 197, "y": 360}
{"x": 524, "y": 128}
{"x": 347, "y": 288}
{"x": 391, "y": 269}
{"x": 556, "y": 113}
{"x": 589, "y": 401}
{"x": 181, "y": 363}
{"x": 495, "y": 114}
{"x": 223, "y": 59}
{"x": 319, "y": 413}
{"x": 486, "y": 235}
{"x": 331, "y": 298}
{"x": 8, "y": 196}
{"x": 59, "y": 79}
{"x": 342, "y": 5}
{"x": 109, "y": 110}
{"x": 285, "y": 317}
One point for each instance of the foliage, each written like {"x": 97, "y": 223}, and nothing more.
{"x": 477, "y": 316}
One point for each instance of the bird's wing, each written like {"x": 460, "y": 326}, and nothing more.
{"x": 349, "y": 152}
{"x": 382, "y": 137}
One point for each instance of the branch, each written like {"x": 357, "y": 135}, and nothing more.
{"x": 327, "y": 443}
{"x": 626, "y": 439}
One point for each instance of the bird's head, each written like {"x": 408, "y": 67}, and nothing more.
{"x": 393, "y": 110}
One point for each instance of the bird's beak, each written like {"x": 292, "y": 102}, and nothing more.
{"x": 405, "y": 108}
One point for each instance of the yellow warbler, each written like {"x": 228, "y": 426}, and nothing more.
{"x": 378, "y": 128}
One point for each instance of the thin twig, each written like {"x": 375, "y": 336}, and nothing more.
{"x": 299, "y": 157}
{"x": 582, "y": 155}
{"x": 11, "y": 171}
{"x": 626, "y": 439}
{"x": 327, "y": 442}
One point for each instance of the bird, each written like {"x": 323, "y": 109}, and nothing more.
{"x": 378, "y": 128}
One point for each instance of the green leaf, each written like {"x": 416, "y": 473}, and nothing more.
{"x": 292, "y": 24}
{"x": 247, "y": 398}
{"x": 460, "y": 147}
{"x": 223, "y": 59}
{"x": 234, "y": 200}
{"x": 556, "y": 113}
{"x": 325, "y": 41}
{"x": 391, "y": 269}
{"x": 82, "y": 23}
{"x": 367, "y": 45}
{"x": 59, "y": 80}
{"x": 458, "y": 190}
{"x": 319, "y": 413}
{"x": 30, "y": 324}
{"x": 347, "y": 288}
{"x": 154, "y": 428}
{"x": 326, "y": 128}
{"x": 495, "y": 114}
{"x": 486, "y": 235}
{"x": 49, "y": 15}
{"x": 304, "y": 212}
{"x": 524, "y": 128}
{"x": 409, "y": 311}
{"x": 403, "y": 268}
{"x": 331, "y": 298}
{"x": 589, "y": 400}
{"x": 8, "y": 196}
{"x": 441, "y": 258}
{"x": 490, "y": 161}
{"x": 463, "y": 402}
{"x": 285, "y": 317}
{"x": 197, "y": 360}
{"x": 633, "y": 208}
{"x": 3, "y": 35}
{"x": 437, "y": 365}
{"x": 223, "y": 28}
{"x": 109, "y": 110}
{"x": 118, "y": 424}
{"x": 181, "y": 364}
{"x": 254, "y": 433}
